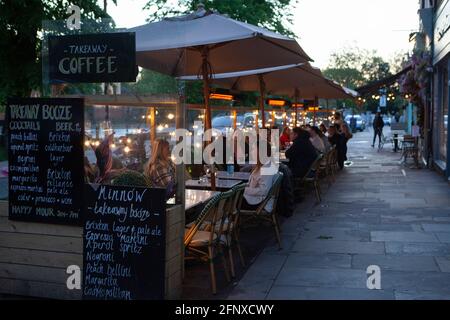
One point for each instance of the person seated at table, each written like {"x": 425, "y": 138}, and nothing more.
{"x": 323, "y": 137}
{"x": 323, "y": 128}
{"x": 337, "y": 139}
{"x": 259, "y": 184}
{"x": 105, "y": 171}
{"x": 285, "y": 138}
{"x": 160, "y": 169}
{"x": 316, "y": 140}
{"x": 301, "y": 154}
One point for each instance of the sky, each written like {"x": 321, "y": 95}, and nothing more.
{"x": 327, "y": 26}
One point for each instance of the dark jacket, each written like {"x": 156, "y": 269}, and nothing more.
{"x": 378, "y": 123}
{"x": 340, "y": 142}
{"x": 301, "y": 155}
{"x": 285, "y": 204}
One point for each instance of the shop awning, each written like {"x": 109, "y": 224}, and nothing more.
{"x": 373, "y": 88}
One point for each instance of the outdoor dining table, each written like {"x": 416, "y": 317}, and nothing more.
{"x": 195, "y": 197}
{"x": 195, "y": 202}
{"x": 221, "y": 184}
{"x": 243, "y": 176}
{"x": 283, "y": 158}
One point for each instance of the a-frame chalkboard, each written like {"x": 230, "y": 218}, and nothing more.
{"x": 124, "y": 243}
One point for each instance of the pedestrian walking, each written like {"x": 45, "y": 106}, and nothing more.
{"x": 378, "y": 125}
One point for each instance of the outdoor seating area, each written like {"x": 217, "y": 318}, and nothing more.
{"x": 213, "y": 240}
{"x": 186, "y": 152}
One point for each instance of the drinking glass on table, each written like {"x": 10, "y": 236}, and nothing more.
{"x": 207, "y": 171}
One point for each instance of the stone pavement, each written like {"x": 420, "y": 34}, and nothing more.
{"x": 377, "y": 213}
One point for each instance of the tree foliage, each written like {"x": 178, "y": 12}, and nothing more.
{"x": 20, "y": 26}
{"x": 354, "y": 67}
{"x": 275, "y": 15}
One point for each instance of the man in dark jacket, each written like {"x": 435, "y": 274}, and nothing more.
{"x": 301, "y": 154}
{"x": 378, "y": 125}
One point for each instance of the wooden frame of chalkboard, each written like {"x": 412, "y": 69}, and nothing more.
{"x": 124, "y": 243}
{"x": 45, "y": 157}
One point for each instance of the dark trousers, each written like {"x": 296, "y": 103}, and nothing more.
{"x": 377, "y": 132}
{"x": 246, "y": 206}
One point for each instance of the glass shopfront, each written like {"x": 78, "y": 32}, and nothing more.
{"x": 442, "y": 111}
{"x": 441, "y": 61}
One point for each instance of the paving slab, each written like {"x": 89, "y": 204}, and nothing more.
{"x": 324, "y": 261}
{"x": 422, "y": 249}
{"x": 438, "y": 282}
{"x": 421, "y": 295}
{"x": 394, "y": 262}
{"x": 326, "y": 293}
{"x": 444, "y": 263}
{"x": 443, "y": 236}
{"x": 348, "y": 278}
{"x": 403, "y": 236}
{"x": 316, "y": 246}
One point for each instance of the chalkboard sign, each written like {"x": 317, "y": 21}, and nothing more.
{"x": 124, "y": 243}
{"x": 90, "y": 58}
{"x": 45, "y": 148}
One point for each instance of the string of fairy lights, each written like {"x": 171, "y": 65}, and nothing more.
{"x": 166, "y": 126}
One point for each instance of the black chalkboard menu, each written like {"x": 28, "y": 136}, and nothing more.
{"x": 103, "y": 57}
{"x": 124, "y": 243}
{"x": 45, "y": 148}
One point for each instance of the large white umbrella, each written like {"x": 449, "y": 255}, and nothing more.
{"x": 205, "y": 43}
{"x": 295, "y": 80}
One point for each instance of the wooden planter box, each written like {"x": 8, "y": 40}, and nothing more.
{"x": 34, "y": 256}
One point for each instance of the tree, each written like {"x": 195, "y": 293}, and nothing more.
{"x": 20, "y": 26}
{"x": 275, "y": 15}
{"x": 354, "y": 67}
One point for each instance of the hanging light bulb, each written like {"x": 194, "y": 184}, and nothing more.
{"x": 170, "y": 116}
{"x": 126, "y": 149}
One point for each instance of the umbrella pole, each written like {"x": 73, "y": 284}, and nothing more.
{"x": 262, "y": 89}
{"x": 296, "y": 107}
{"x": 206, "y": 92}
{"x": 316, "y": 106}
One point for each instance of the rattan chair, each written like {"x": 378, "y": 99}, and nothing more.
{"x": 231, "y": 229}
{"x": 261, "y": 214}
{"x": 203, "y": 240}
{"x": 311, "y": 178}
{"x": 326, "y": 166}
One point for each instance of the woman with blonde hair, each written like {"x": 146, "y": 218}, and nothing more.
{"x": 160, "y": 169}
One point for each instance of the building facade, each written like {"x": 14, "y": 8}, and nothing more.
{"x": 435, "y": 26}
